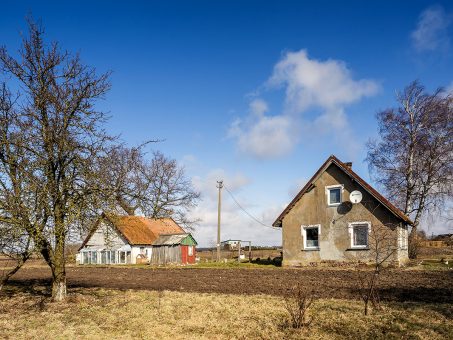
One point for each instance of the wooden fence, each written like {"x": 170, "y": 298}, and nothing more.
{"x": 434, "y": 244}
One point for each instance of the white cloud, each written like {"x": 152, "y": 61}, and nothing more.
{"x": 313, "y": 83}
{"x": 327, "y": 86}
{"x": 432, "y": 30}
{"x": 263, "y": 136}
{"x": 258, "y": 107}
{"x": 235, "y": 224}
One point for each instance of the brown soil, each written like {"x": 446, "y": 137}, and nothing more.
{"x": 397, "y": 285}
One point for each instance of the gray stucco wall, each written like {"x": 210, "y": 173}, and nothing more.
{"x": 335, "y": 238}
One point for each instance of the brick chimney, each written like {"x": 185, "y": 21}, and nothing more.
{"x": 348, "y": 165}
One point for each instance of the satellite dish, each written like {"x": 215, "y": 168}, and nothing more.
{"x": 355, "y": 197}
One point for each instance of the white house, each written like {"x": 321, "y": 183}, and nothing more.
{"x": 124, "y": 239}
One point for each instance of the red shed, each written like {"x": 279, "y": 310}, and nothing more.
{"x": 174, "y": 248}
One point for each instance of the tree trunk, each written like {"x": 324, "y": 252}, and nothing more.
{"x": 59, "y": 286}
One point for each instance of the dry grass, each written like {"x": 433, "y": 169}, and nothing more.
{"x": 106, "y": 314}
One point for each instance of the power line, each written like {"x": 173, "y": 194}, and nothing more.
{"x": 245, "y": 211}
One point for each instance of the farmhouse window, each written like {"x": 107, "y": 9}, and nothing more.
{"x": 310, "y": 235}
{"x": 86, "y": 257}
{"x": 94, "y": 257}
{"x": 190, "y": 251}
{"x": 359, "y": 234}
{"x": 122, "y": 257}
{"x": 334, "y": 194}
{"x": 103, "y": 257}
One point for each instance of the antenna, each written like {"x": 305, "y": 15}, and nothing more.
{"x": 355, "y": 197}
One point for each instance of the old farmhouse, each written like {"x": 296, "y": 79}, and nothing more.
{"x": 321, "y": 224}
{"x": 136, "y": 239}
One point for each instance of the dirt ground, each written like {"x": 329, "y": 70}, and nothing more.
{"x": 396, "y": 285}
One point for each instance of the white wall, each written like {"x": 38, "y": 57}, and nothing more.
{"x": 136, "y": 251}
{"x": 107, "y": 237}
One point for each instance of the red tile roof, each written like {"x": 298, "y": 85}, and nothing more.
{"x": 346, "y": 169}
{"x": 138, "y": 230}
{"x": 141, "y": 230}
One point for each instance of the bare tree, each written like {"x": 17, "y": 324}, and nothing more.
{"x": 413, "y": 161}
{"x": 169, "y": 193}
{"x": 50, "y": 135}
{"x": 121, "y": 176}
{"x": 383, "y": 246}
{"x": 157, "y": 188}
{"x": 16, "y": 246}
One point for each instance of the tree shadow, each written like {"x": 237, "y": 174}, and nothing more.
{"x": 35, "y": 287}
{"x": 431, "y": 296}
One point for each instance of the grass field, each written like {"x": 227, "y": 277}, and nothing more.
{"x": 105, "y": 314}
{"x": 224, "y": 301}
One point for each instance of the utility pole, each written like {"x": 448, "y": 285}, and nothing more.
{"x": 219, "y": 186}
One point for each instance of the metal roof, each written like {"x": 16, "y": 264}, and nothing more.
{"x": 169, "y": 240}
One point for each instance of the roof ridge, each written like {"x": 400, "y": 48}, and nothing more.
{"x": 373, "y": 192}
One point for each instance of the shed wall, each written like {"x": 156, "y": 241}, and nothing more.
{"x": 163, "y": 255}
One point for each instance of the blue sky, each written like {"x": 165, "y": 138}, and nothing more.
{"x": 256, "y": 93}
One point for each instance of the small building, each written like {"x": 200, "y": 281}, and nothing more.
{"x": 230, "y": 244}
{"x": 174, "y": 249}
{"x": 322, "y": 224}
{"x": 125, "y": 239}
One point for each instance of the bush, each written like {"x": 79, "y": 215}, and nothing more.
{"x": 297, "y": 303}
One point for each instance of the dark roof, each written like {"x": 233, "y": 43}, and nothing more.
{"x": 138, "y": 230}
{"x": 347, "y": 170}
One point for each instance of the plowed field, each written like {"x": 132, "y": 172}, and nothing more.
{"x": 396, "y": 285}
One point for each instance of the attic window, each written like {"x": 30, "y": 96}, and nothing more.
{"x": 334, "y": 194}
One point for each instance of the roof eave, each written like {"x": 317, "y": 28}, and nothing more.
{"x": 332, "y": 159}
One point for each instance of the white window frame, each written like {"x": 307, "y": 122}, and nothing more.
{"x": 190, "y": 251}
{"x": 330, "y": 187}
{"x": 351, "y": 234}
{"x": 304, "y": 235}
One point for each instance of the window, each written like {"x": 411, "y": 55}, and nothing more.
{"x": 85, "y": 257}
{"x": 334, "y": 194}
{"x": 310, "y": 235}
{"x": 122, "y": 258}
{"x": 103, "y": 257}
{"x": 359, "y": 234}
{"x": 142, "y": 250}
{"x": 94, "y": 257}
{"x": 190, "y": 250}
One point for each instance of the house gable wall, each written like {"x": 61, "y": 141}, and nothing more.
{"x": 334, "y": 238}
{"x": 106, "y": 236}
